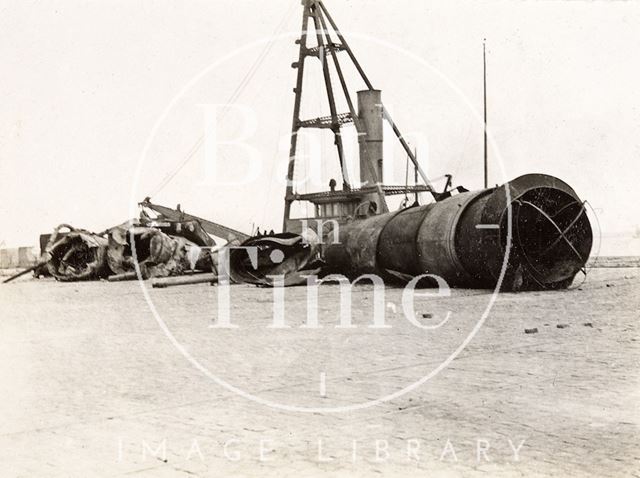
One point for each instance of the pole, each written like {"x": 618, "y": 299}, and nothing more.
{"x": 204, "y": 278}
{"x": 20, "y": 274}
{"x": 323, "y": 50}
{"x": 288, "y": 198}
{"x": 484, "y": 72}
{"x": 415, "y": 174}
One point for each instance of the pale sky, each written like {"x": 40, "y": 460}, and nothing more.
{"x": 84, "y": 82}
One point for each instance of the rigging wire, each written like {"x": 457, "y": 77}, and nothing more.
{"x": 274, "y": 161}
{"x": 405, "y": 201}
{"x": 234, "y": 96}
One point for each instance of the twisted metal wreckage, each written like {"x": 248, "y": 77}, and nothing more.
{"x": 173, "y": 243}
{"x": 530, "y": 233}
{"x": 463, "y": 239}
{"x": 82, "y": 255}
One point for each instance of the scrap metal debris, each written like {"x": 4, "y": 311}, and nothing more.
{"x": 159, "y": 247}
{"x": 287, "y": 256}
{"x": 463, "y": 239}
{"x": 207, "y": 278}
{"x": 79, "y": 255}
{"x": 157, "y": 254}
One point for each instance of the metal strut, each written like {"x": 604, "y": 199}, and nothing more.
{"x": 354, "y": 116}
{"x": 566, "y": 229}
{"x": 316, "y": 10}
{"x": 385, "y": 112}
{"x": 327, "y": 81}
{"x": 296, "y": 117}
{"x": 555, "y": 225}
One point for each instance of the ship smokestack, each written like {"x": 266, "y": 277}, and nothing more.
{"x": 371, "y": 157}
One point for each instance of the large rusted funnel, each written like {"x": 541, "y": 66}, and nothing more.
{"x": 371, "y": 142}
{"x": 535, "y": 227}
{"x": 370, "y": 115}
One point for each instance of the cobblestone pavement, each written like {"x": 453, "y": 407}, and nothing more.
{"x": 92, "y": 385}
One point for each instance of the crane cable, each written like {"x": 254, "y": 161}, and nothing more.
{"x": 234, "y": 96}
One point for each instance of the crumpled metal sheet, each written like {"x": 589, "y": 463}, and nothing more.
{"x": 157, "y": 254}
{"x": 290, "y": 255}
{"x": 79, "y": 255}
{"x": 161, "y": 248}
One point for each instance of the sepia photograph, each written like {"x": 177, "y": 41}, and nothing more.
{"x": 308, "y": 238}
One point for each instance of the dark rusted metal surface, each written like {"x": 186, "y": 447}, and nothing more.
{"x": 290, "y": 255}
{"x": 464, "y": 238}
{"x": 157, "y": 253}
{"x": 361, "y": 239}
{"x": 163, "y": 246}
{"x": 79, "y": 255}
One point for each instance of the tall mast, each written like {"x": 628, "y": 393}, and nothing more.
{"x": 484, "y": 74}
{"x": 415, "y": 174}
{"x": 325, "y": 48}
{"x": 296, "y": 113}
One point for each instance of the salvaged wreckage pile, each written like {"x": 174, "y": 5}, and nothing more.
{"x": 158, "y": 252}
{"x": 534, "y": 234}
{"x": 531, "y": 233}
{"x": 141, "y": 248}
{"x": 169, "y": 244}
